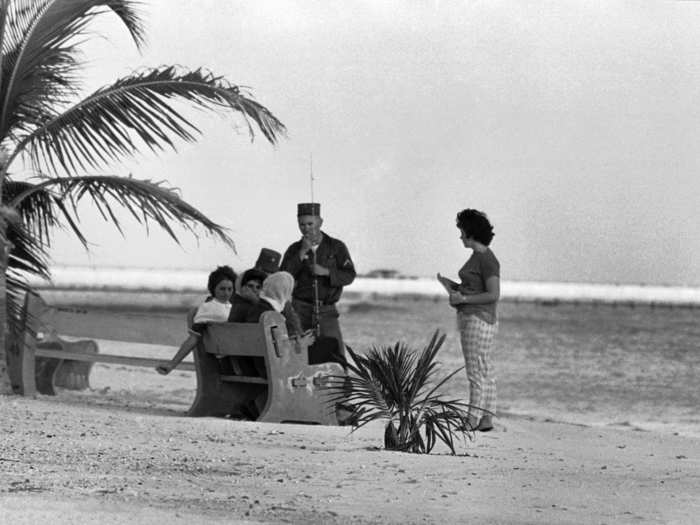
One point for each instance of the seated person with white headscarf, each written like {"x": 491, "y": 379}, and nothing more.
{"x": 275, "y": 294}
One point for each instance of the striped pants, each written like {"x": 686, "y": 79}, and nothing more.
{"x": 477, "y": 336}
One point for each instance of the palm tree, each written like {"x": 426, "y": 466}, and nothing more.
{"x": 398, "y": 385}
{"x": 60, "y": 138}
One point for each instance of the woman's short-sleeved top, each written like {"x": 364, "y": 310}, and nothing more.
{"x": 474, "y": 274}
{"x": 209, "y": 312}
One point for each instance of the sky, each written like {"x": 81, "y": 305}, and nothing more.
{"x": 574, "y": 125}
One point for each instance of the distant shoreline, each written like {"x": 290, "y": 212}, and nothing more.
{"x": 182, "y": 288}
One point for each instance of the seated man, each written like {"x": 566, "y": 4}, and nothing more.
{"x": 247, "y": 295}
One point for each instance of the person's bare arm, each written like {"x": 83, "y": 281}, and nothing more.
{"x": 185, "y": 348}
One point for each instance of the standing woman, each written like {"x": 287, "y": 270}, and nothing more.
{"x": 475, "y": 299}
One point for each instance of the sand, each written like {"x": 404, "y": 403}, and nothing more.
{"x": 122, "y": 452}
{"x": 74, "y": 459}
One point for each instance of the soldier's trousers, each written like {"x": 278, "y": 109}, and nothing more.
{"x": 330, "y": 340}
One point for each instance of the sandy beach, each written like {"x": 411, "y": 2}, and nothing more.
{"x": 123, "y": 452}
{"x": 69, "y": 459}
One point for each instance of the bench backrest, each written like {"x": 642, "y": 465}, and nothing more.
{"x": 39, "y": 318}
{"x": 263, "y": 338}
{"x": 236, "y": 339}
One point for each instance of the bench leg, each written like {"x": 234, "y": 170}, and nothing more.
{"x": 46, "y": 368}
{"x": 21, "y": 367}
{"x": 25, "y": 363}
{"x": 75, "y": 375}
{"x": 300, "y": 399}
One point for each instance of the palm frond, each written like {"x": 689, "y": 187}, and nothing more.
{"x": 35, "y": 205}
{"x": 426, "y": 364}
{"x": 139, "y": 109}
{"x": 39, "y": 52}
{"x": 27, "y": 251}
{"x": 27, "y": 256}
{"x": 440, "y": 424}
{"x": 431, "y": 395}
{"x": 392, "y": 368}
{"x": 17, "y": 288}
{"x": 46, "y": 203}
{"x": 360, "y": 390}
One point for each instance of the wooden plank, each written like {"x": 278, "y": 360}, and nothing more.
{"x": 161, "y": 328}
{"x": 106, "y": 358}
{"x": 245, "y": 379}
{"x": 235, "y": 339}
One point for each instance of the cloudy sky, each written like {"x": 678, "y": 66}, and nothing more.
{"x": 574, "y": 125}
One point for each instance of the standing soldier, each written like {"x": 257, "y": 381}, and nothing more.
{"x": 321, "y": 266}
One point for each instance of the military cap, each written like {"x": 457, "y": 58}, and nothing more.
{"x": 309, "y": 208}
{"x": 268, "y": 261}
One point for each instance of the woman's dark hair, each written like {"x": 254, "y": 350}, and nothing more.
{"x": 253, "y": 275}
{"x": 220, "y": 274}
{"x": 475, "y": 225}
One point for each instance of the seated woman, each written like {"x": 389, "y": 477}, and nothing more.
{"x": 276, "y": 294}
{"x": 215, "y": 309}
{"x": 247, "y": 295}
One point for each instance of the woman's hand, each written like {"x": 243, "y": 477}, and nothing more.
{"x": 308, "y": 338}
{"x": 457, "y": 298}
{"x": 304, "y": 340}
{"x": 165, "y": 368}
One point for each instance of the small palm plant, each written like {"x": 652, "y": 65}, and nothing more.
{"x": 396, "y": 384}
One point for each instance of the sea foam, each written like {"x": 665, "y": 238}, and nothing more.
{"x": 193, "y": 281}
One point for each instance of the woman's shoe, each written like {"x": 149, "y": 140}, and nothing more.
{"x": 485, "y": 424}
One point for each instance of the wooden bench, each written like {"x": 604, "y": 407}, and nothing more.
{"x": 244, "y": 370}
{"x": 256, "y": 371}
{"x": 42, "y": 360}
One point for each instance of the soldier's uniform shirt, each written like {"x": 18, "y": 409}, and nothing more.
{"x": 332, "y": 254}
